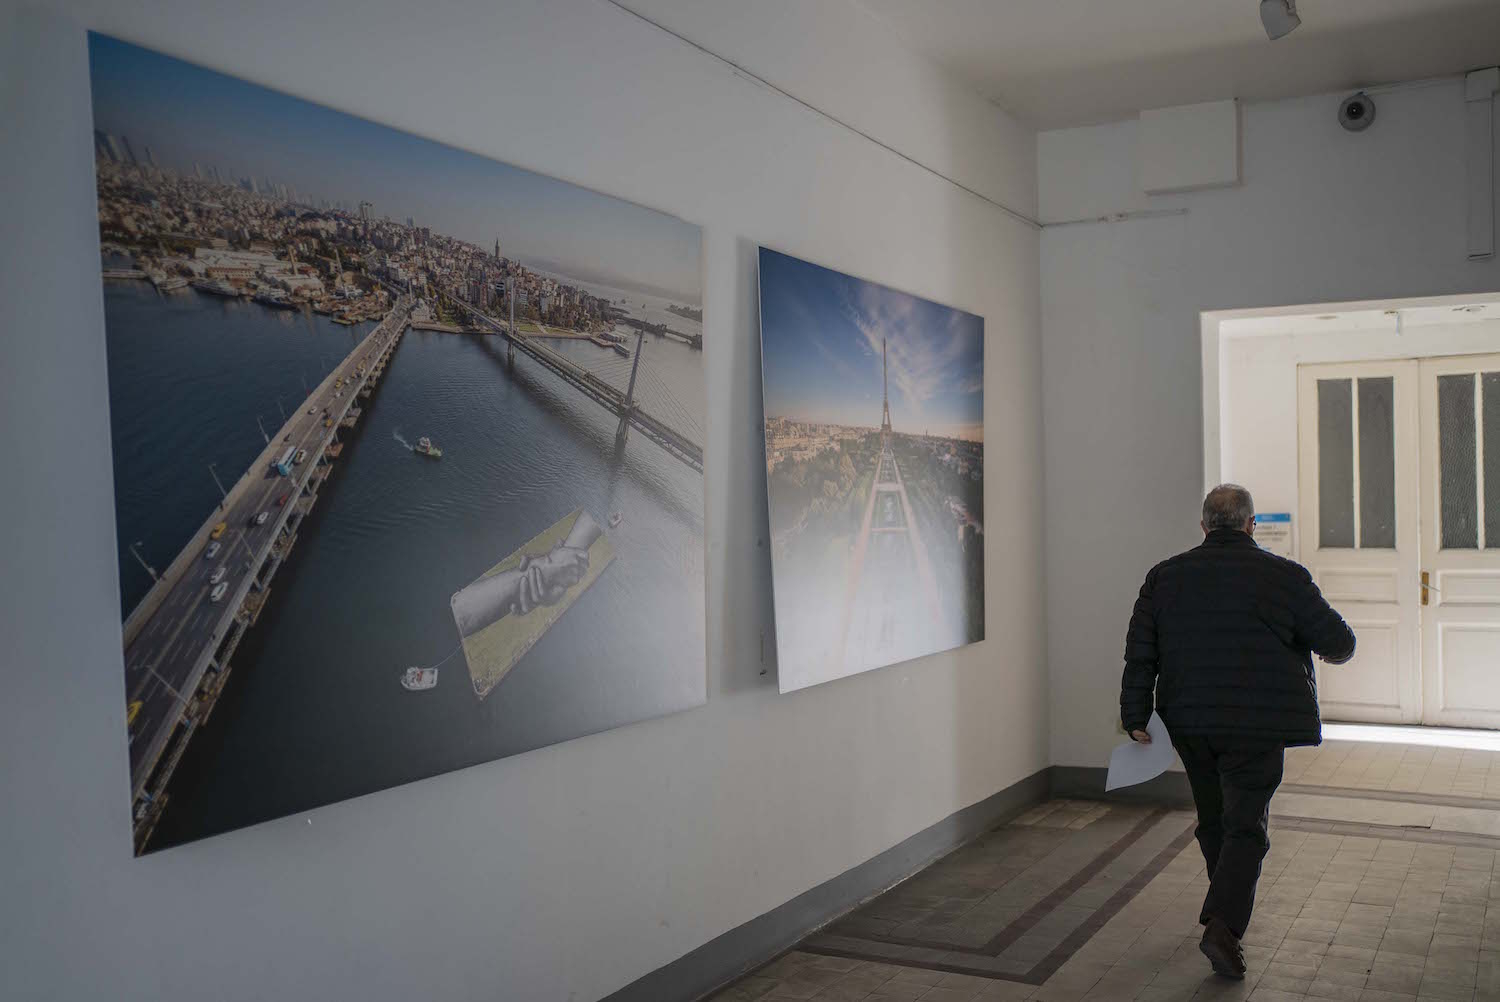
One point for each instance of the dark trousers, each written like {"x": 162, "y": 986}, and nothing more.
{"x": 1232, "y": 782}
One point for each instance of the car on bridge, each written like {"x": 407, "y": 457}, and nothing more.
{"x": 260, "y": 519}
{"x": 218, "y": 592}
{"x": 131, "y": 710}
{"x": 218, "y": 574}
{"x": 211, "y": 552}
{"x": 218, "y": 530}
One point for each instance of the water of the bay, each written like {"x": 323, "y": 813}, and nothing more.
{"x": 314, "y": 711}
{"x": 190, "y": 375}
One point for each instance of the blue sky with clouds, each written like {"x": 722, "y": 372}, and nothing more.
{"x": 821, "y": 334}
{"x": 188, "y": 114}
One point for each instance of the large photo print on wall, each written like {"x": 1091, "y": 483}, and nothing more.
{"x": 874, "y": 404}
{"x": 407, "y": 450}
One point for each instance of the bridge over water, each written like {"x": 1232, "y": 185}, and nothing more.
{"x": 178, "y": 640}
{"x": 666, "y": 430}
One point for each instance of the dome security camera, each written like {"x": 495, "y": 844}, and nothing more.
{"x": 1356, "y": 112}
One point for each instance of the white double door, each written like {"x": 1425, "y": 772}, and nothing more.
{"x": 1399, "y": 498}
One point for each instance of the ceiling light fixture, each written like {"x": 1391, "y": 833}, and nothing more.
{"x": 1279, "y": 17}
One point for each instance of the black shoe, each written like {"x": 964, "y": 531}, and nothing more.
{"x": 1223, "y": 950}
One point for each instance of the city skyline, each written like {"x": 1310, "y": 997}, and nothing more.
{"x": 935, "y": 353}
{"x": 190, "y": 116}
{"x": 967, "y": 434}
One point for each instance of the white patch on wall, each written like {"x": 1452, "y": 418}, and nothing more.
{"x": 1189, "y": 147}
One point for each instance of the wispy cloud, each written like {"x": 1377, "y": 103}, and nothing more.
{"x": 926, "y": 360}
{"x": 823, "y": 333}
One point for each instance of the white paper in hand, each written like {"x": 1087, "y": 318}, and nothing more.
{"x": 1133, "y": 762}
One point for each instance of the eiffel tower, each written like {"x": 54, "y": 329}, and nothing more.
{"x": 885, "y": 399}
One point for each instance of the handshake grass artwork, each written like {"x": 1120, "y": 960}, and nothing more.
{"x": 502, "y": 614}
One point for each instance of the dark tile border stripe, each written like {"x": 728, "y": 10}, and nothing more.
{"x": 1073, "y": 884}
{"x": 926, "y": 965}
{"x": 1023, "y": 923}
{"x": 1171, "y": 787}
{"x": 747, "y": 947}
{"x": 1048, "y": 965}
{"x": 1401, "y": 796}
{"x": 1081, "y": 935}
{"x": 1393, "y": 833}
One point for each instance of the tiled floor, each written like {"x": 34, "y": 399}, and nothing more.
{"x": 1397, "y": 768}
{"x": 1388, "y": 896}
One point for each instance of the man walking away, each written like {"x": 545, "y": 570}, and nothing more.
{"x": 1222, "y": 638}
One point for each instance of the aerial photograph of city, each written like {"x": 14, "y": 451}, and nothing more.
{"x": 874, "y": 408}
{"x": 407, "y": 444}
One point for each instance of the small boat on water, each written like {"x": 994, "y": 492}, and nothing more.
{"x": 416, "y": 679}
{"x": 425, "y": 447}
{"x": 621, "y": 350}
{"x": 614, "y": 519}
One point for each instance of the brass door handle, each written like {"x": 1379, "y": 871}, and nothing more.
{"x": 1427, "y": 587}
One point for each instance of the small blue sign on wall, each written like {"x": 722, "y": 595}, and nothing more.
{"x": 1273, "y": 531}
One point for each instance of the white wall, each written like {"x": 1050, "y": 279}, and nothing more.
{"x": 1322, "y": 216}
{"x": 567, "y": 872}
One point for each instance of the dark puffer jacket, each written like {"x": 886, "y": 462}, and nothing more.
{"x": 1223, "y": 636}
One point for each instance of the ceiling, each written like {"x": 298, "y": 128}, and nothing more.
{"x": 1056, "y": 63}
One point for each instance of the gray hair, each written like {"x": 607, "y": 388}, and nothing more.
{"x": 1228, "y": 506}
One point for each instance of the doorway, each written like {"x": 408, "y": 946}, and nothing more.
{"x": 1399, "y": 503}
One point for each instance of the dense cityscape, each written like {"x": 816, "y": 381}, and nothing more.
{"x": 256, "y": 238}
{"x": 791, "y": 439}
{"x": 821, "y": 475}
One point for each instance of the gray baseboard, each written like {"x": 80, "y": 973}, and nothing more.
{"x": 1087, "y": 783}
{"x": 746, "y": 947}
